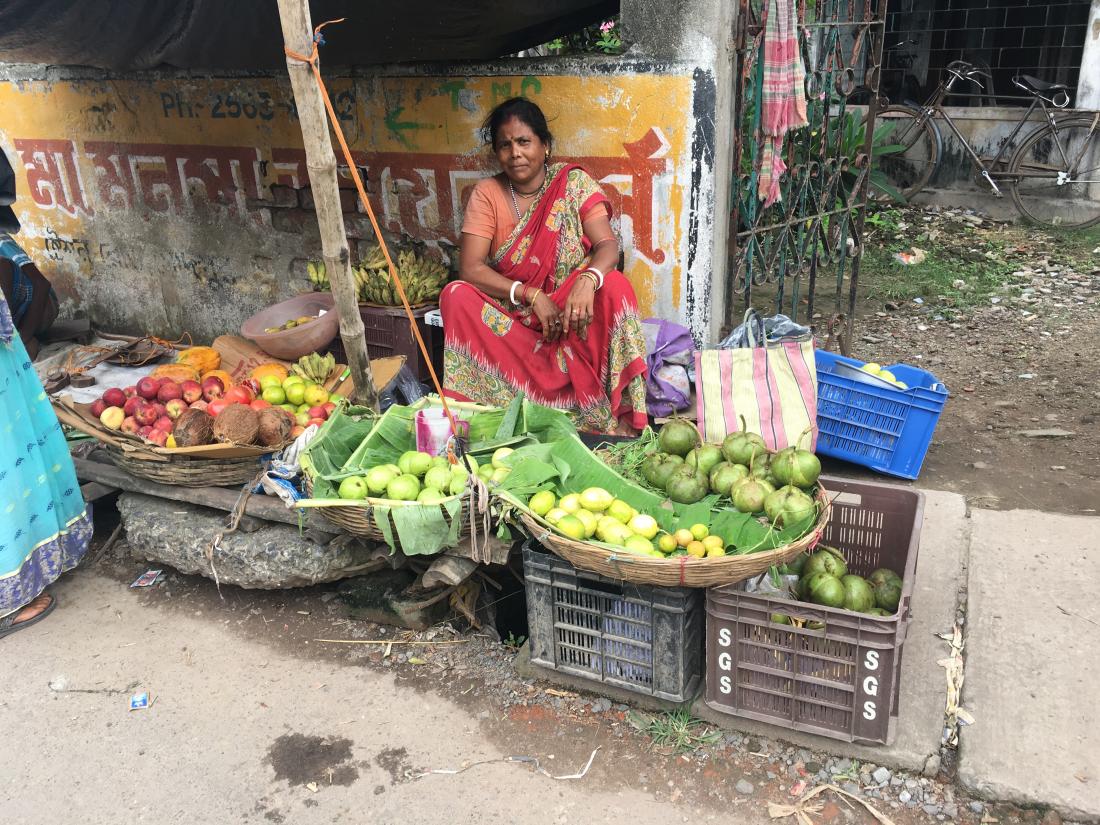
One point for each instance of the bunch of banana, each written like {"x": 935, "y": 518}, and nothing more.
{"x": 314, "y": 367}
{"x": 318, "y": 276}
{"x": 422, "y": 278}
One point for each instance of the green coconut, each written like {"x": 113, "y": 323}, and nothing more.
{"x": 678, "y": 437}
{"x": 887, "y": 595}
{"x": 743, "y": 447}
{"x": 857, "y": 593}
{"x": 826, "y": 560}
{"x": 827, "y": 590}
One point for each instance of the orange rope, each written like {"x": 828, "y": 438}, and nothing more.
{"x": 312, "y": 60}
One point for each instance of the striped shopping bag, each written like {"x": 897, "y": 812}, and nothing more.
{"x": 772, "y": 385}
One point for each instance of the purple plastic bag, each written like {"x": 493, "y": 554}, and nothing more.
{"x": 670, "y": 351}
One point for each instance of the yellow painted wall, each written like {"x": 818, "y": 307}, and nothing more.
{"x": 150, "y": 203}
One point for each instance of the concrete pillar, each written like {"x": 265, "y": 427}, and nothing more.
{"x": 1088, "y": 82}
{"x": 699, "y": 33}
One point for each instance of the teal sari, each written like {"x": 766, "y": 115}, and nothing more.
{"x": 45, "y": 527}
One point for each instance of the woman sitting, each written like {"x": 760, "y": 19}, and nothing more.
{"x": 541, "y": 307}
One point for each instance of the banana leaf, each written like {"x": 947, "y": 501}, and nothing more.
{"x": 337, "y": 439}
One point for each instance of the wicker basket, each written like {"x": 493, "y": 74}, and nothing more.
{"x": 189, "y": 472}
{"x": 682, "y": 571}
{"x": 361, "y": 519}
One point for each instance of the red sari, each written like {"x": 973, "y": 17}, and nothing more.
{"x": 492, "y": 351}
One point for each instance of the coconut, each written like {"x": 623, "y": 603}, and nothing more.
{"x": 194, "y": 428}
{"x": 274, "y": 427}
{"x": 678, "y": 437}
{"x": 789, "y": 506}
{"x": 857, "y": 593}
{"x": 825, "y": 560}
{"x": 687, "y": 485}
{"x": 237, "y": 424}
{"x": 743, "y": 447}
{"x": 748, "y": 495}
{"x": 827, "y": 590}
{"x": 798, "y": 467}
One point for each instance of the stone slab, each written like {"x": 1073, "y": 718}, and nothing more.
{"x": 1033, "y": 661}
{"x": 940, "y": 570}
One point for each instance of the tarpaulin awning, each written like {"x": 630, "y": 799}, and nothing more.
{"x": 124, "y": 35}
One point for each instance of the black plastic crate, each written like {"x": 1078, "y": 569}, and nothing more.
{"x": 387, "y": 332}
{"x": 645, "y": 639}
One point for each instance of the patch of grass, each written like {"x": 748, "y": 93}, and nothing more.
{"x": 1077, "y": 245}
{"x": 958, "y": 274}
{"x": 676, "y": 731}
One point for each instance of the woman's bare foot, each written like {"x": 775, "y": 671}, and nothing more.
{"x": 30, "y": 613}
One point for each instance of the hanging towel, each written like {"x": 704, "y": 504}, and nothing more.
{"x": 783, "y": 95}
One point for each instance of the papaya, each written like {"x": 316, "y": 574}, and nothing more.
{"x": 177, "y": 372}
{"x": 203, "y": 359}
{"x": 222, "y": 375}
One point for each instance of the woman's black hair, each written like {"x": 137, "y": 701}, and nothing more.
{"x": 523, "y": 110}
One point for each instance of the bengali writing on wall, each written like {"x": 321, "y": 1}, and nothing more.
{"x": 419, "y": 194}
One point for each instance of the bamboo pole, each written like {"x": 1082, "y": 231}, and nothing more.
{"x": 321, "y": 164}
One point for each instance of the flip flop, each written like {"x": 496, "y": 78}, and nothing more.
{"x": 8, "y": 625}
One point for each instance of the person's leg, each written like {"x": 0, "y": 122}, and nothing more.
{"x": 32, "y": 608}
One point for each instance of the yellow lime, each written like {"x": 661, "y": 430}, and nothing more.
{"x": 886, "y": 375}
{"x": 643, "y": 525}
{"x": 611, "y": 531}
{"x": 499, "y": 456}
{"x": 638, "y": 544}
{"x": 572, "y": 527}
{"x": 666, "y": 543}
{"x": 541, "y": 502}
{"x": 570, "y": 503}
{"x": 713, "y": 541}
{"x": 712, "y": 552}
{"x": 589, "y": 521}
{"x": 555, "y": 514}
{"x": 683, "y": 537}
{"x": 596, "y": 499}
{"x": 699, "y": 531}
{"x": 620, "y": 510}
{"x": 696, "y": 549}
{"x": 871, "y": 367}
{"x": 901, "y": 385}
{"x": 500, "y": 474}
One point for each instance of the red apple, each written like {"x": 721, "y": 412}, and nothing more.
{"x": 164, "y": 423}
{"x": 216, "y": 406}
{"x": 129, "y": 392}
{"x": 114, "y": 397}
{"x": 318, "y": 412}
{"x": 198, "y": 405}
{"x": 146, "y": 414}
{"x": 112, "y": 416}
{"x": 239, "y": 394}
{"x": 212, "y": 388}
{"x": 175, "y": 408}
{"x": 297, "y": 430}
{"x": 317, "y": 421}
{"x": 144, "y": 431}
{"x": 132, "y": 403}
{"x": 161, "y": 410}
{"x": 253, "y": 385}
{"x": 98, "y": 406}
{"x": 158, "y": 437}
{"x": 259, "y": 404}
{"x": 129, "y": 425}
{"x": 192, "y": 391}
{"x": 168, "y": 391}
{"x": 147, "y": 387}
{"x": 329, "y": 407}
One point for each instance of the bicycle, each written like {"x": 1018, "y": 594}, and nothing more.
{"x": 1054, "y": 175}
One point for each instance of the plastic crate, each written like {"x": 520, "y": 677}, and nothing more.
{"x": 387, "y": 332}
{"x": 644, "y": 639}
{"x": 840, "y": 681}
{"x": 886, "y": 429}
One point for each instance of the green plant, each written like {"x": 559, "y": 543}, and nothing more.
{"x": 677, "y": 731}
{"x": 597, "y": 38}
{"x": 514, "y": 642}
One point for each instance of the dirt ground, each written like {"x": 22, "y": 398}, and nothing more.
{"x": 1008, "y": 317}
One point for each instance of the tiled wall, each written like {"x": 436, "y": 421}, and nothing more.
{"x": 1043, "y": 38}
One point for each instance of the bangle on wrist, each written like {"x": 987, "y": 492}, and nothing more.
{"x": 596, "y": 274}
{"x": 512, "y": 291}
{"x": 591, "y": 277}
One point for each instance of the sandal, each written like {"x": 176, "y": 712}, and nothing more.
{"x": 9, "y": 625}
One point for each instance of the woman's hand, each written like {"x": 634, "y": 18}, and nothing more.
{"x": 549, "y": 317}
{"x": 578, "y": 306}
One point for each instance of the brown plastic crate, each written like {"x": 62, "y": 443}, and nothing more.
{"x": 842, "y": 681}
{"x": 387, "y": 332}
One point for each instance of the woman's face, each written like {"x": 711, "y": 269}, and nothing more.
{"x": 520, "y": 151}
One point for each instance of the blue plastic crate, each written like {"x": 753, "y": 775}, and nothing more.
{"x": 886, "y": 429}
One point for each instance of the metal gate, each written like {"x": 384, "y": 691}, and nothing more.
{"x": 790, "y": 256}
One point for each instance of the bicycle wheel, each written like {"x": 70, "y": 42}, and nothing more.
{"x": 910, "y": 169}
{"x": 1055, "y": 175}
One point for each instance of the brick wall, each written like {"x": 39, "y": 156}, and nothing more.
{"x": 1043, "y": 38}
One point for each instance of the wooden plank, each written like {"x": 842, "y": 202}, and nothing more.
{"x": 219, "y": 498}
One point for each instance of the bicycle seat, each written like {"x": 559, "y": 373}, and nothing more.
{"x": 1038, "y": 85}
